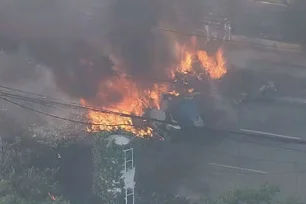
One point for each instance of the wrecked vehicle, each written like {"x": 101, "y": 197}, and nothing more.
{"x": 265, "y": 92}
{"x": 176, "y": 113}
{"x": 182, "y": 109}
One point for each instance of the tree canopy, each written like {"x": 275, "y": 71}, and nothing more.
{"x": 265, "y": 194}
{"x": 21, "y": 182}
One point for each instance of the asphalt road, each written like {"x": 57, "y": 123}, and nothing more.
{"x": 194, "y": 168}
{"x": 199, "y": 167}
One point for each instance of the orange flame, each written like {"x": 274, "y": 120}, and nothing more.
{"x": 215, "y": 67}
{"x": 136, "y": 99}
{"x": 186, "y": 63}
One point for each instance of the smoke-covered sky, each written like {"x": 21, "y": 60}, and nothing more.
{"x": 75, "y": 38}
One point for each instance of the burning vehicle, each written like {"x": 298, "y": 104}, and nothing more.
{"x": 170, "y": 104}
{"x": 183, "y": 110}
{"x": 116, "y": 83}
{"x": 109, "y": 61}
{"x": 176, "y": 113}
{"x": 110, "y": 88}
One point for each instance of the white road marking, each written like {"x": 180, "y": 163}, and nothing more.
{"x": 271, "y": 134}
{"x": 238, "y": 168}
{"x": 272, "y": 3}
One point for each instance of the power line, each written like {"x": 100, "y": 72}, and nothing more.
{"x": 86, "y": 107}
{"x": 33, "y": 94}
{"x": 197, "y": 34}
{"x": 58, "y": 117}
{"x": 148, "y": 119}
{"x": 44, "y": 101}
{"x": 221, "y": 39}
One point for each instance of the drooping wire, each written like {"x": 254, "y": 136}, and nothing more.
{"x": 44, "y": 101}
{"x": 58, "y": 117}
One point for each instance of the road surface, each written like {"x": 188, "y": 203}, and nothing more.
{"x": 194, "y": 169}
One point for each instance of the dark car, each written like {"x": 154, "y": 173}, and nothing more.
{"x": 183, "y": 110}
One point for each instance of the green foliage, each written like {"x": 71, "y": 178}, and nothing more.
{"x": 108, "y": 163}
{"x": 157, "y": 198}
{"x": 34, "y": 183}
{"x": 32, "y": 189}
{"x": 21, "y": 183}
{"x": 14, "y": 198}
{"x": 263, "y": 195}
{"x": 291, "y": 200}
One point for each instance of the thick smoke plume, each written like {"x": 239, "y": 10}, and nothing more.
{"x": 143, "y": 51}
{"x": 83, "y": 41}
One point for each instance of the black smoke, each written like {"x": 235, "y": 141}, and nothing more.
{"x": 77, "y": 47}
{"x": 133, "y": 39}
{"x": 78, "y": 68}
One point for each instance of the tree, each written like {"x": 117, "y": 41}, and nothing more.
{"x": 21, "y": 182}
{"x": 265, "y": 194}
{"x": 108, "y": 163}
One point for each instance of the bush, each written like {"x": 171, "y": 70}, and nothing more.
{"x": 21, "y": 183}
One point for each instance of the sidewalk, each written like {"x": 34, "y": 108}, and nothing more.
{"x": 268, "y": 43}
{"x": 245, "y": 53}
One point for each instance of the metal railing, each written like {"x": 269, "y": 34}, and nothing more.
{"x": 128, "y": 166}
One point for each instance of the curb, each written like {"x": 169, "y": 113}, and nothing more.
{"x": 268, "y": 43}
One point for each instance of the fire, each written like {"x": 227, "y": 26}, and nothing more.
{"x": 215, "y": 67}
{"x": 135, "y": 100}
{"x": 186, "y": 63}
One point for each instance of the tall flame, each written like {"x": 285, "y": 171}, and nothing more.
{"x": 215, "y": 67}
{"x": 136, "y": 99}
